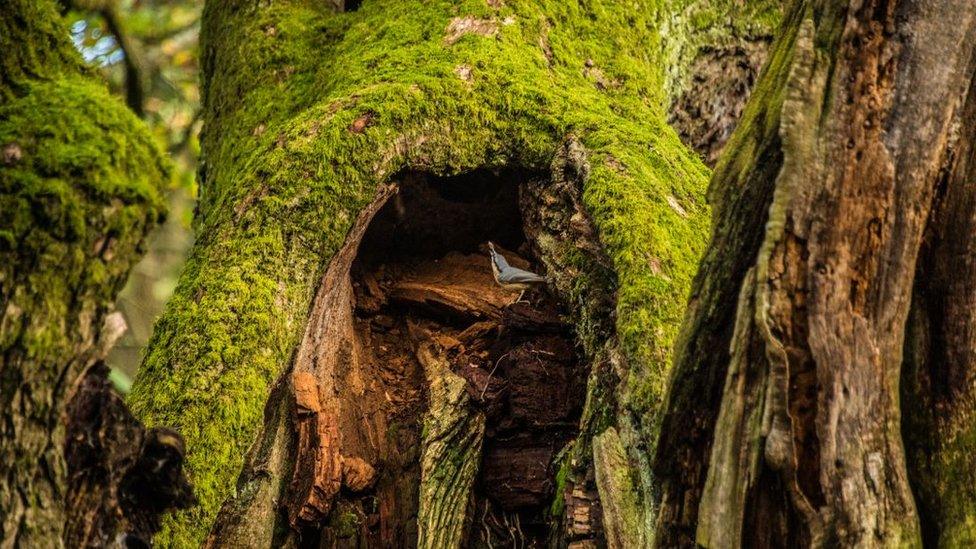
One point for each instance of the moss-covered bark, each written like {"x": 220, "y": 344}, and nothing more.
{"x": 80, "y": 183}
{"x": 714, "y": 50}
{"x": 308, "y": 111}
{"x": 450, "y": 457}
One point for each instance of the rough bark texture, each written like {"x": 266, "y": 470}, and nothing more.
{"x": 715, "y": 50}
{"x": 939, "y": 393}
{"x": 121, "y": 477}
{"x": 80, "y": 183}
{"x": 617, "y": 493}
{"x": 793, "y": 436}
{"x": 308, "y": 112}
{"x": 451, "y": 454}
{"x": 402, "y": 337}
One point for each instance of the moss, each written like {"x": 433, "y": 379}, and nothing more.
{"x": 307, "y": 111}
{"x": 623, "y": 512}
{"x": 78, "y": 196}
{"x": 35, "y": 46}
{"x": 955, "y": 475}
{"x": 690, "y": 27}
{"x": 345, "y": 522}
{"x": 558, "y": 506}
{"x": 80, "y": 187}
{"x": 940, "y": 465}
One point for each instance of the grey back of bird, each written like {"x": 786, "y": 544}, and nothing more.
{"x": 507, "y": 274}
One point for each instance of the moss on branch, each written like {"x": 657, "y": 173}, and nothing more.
{"x": 80, "y": 186}
{"x": 308, "y": 111}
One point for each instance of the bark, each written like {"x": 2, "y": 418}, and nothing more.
{"x": 80, "y": 185}
{"x": 121, "y": 477}
{"x": 393, "y": 344}
{"x": 821, "y": 200}
{"x": 938, "y": 391}
{"x": 540, "y": 125}
{"x": 714, "y": 53}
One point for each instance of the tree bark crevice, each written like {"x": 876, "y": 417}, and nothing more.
{"x": 452, "y": 401}
{"x": 822, "y": 314}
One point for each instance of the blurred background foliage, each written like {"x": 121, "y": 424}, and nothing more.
{"x": 147, "y": 52}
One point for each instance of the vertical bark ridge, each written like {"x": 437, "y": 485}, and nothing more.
{"x": 451, "y": 454}
{"x": 812, "y": 375}
{"x": 938, "y": 395}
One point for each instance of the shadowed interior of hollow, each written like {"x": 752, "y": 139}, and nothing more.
{"x": 422, "y": 277}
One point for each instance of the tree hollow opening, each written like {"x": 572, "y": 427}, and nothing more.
{"x": 456, "y": 400}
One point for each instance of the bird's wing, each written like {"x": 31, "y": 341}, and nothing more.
{"x": 513, "y": 275}
{"x": 499, "y": 261}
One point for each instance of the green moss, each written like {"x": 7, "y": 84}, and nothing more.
{"x": 285, "y": 176}
{"x": 77, "y": 202}
{"x": 35, "y": 46}
{"x": 689, "y": 27}
{"x": 344, "y": 521}
{"x": 80, "y": 187}
{"x": 623, "y": 512}
{"x": 940, "y": 465}
{"x": 957, "y": 485}
{"x": 558, "y": 506}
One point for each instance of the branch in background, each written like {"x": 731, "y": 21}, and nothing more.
{"x": 135, "y": 92}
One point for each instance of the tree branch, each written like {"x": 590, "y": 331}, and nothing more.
{"x": 135, "y": 92}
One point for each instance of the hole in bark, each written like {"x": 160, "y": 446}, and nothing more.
{"x": 427, "y": 317}
{"x": 352, "y": 5}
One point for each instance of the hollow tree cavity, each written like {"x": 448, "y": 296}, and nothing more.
{"x": 311, "y": 117}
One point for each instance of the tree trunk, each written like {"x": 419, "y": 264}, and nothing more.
{"x": 820, "y": 201}
{"x": 80, "y": 183}
{"x": 940, "y": 344}
{"x": 356, "y": 162}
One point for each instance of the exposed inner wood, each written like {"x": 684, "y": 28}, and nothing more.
{"x": 427, "y": 407}
{"x": 711, "y": 106}
{"x": 805, "y": 448}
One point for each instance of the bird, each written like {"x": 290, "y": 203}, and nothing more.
{"x": 511, "y": 278}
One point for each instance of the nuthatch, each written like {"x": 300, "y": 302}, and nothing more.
{"x": 509, "y": 277}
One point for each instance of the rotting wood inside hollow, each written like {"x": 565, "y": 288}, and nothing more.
{"x": 412, "y": 291}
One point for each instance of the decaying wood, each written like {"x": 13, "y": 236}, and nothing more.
{"x": 561, "y": 232}
{"x": 393, "y": 342}
{"x": 582, "y": 525}
{"x": 122, "y": 477}
{"x": 297, "y": 458}
{"x": 332, "y": 410}
{"x": 451, "y": 454}
{"x": 706, "y": 113}
{"x": 454, "y": 285}
{"x": 806, "y": 448}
